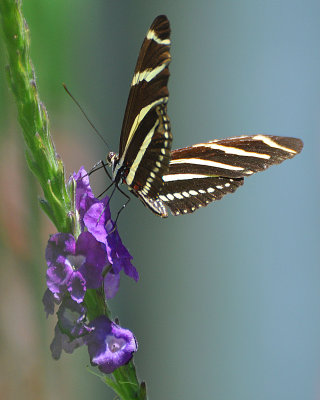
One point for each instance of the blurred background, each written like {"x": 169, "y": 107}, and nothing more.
{"x": 228, "y": 304}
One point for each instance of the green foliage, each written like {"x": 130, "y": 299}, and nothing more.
{"x": 32, "y": 115}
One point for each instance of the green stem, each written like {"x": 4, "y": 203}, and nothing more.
{"x": 32, "y": 115}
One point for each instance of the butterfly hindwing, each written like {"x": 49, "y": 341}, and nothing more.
{"x": 206, "y": 172}
{"x": 184, "y": 197}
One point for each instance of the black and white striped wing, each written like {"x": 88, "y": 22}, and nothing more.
{"x": 206, "y": 172}
{"x": 182, "y": 197}
{"x": 145, "y": 141}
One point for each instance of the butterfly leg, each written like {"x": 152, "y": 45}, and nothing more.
{"x": 123, "y": 206}
{"x": 100, "y": 164}
{"x": 105, "y": 169}
{"x": 112, "y": 193}
{"x": 96, "y": 167}
{"x": 111, "y": 184}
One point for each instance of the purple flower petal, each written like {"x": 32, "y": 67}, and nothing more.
{"x": 118, "y": 255}
{"x": 84, "y": 195}
{"x": 111, "y": 284}
{"x": 71, "y": 317}
{"x": 77, "y": 287}
{"x": 125, "y": 264}
{"x": 49, "y": 302}
{"x": 56, "y": 344}
{"x": 59, "y": 245}
{"x": 96, "y": 259}
{"x": 58, "y": 277}
{"x": 94, "y": 251}
{"x": 83, "y": 185}
{"x": 94, "y": 219}
{"x": 76, "y": 260}
{"x": 109, "y": 345}
{"x": 71, "y": 329}
{"x": 74, "y": 265}
{"x": 84, "y": 200}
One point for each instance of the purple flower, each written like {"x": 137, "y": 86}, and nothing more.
{"x": 96, "y": 217}
{"x": 70, "y": 330}
{"x": 84, "y": 196}
{"x": 109, "y": 345}
{"x": 74, "y": 266}
{"x": 61, "y": 341}
{"x": 86, "y": 202}
{"x": 118, "y": 255}
{"x": 71, "y": 317}
{"x": 111, "y": 284}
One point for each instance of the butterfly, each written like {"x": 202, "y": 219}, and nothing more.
{"x": 188, "y": 178}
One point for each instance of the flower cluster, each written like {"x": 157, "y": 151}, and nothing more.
{"x": 93, "y": 259}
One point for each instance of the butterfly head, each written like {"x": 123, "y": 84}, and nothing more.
{"x": 112, "y": 160}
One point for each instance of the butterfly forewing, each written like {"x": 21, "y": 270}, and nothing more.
{"x": 156, "y": 205}
{"x": 206, "y": 172}
{"x": 145, "y": 141}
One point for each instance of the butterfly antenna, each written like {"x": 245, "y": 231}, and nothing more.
{"x": 85, "y": 115}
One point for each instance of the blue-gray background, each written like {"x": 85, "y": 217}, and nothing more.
{"x": 228, "y": 304}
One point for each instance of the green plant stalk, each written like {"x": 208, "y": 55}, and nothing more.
{"x": 33, "y": 118}
{"x": 58, "y": 201}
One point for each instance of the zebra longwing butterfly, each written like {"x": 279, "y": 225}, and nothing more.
{"x": 188, "y": 178}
